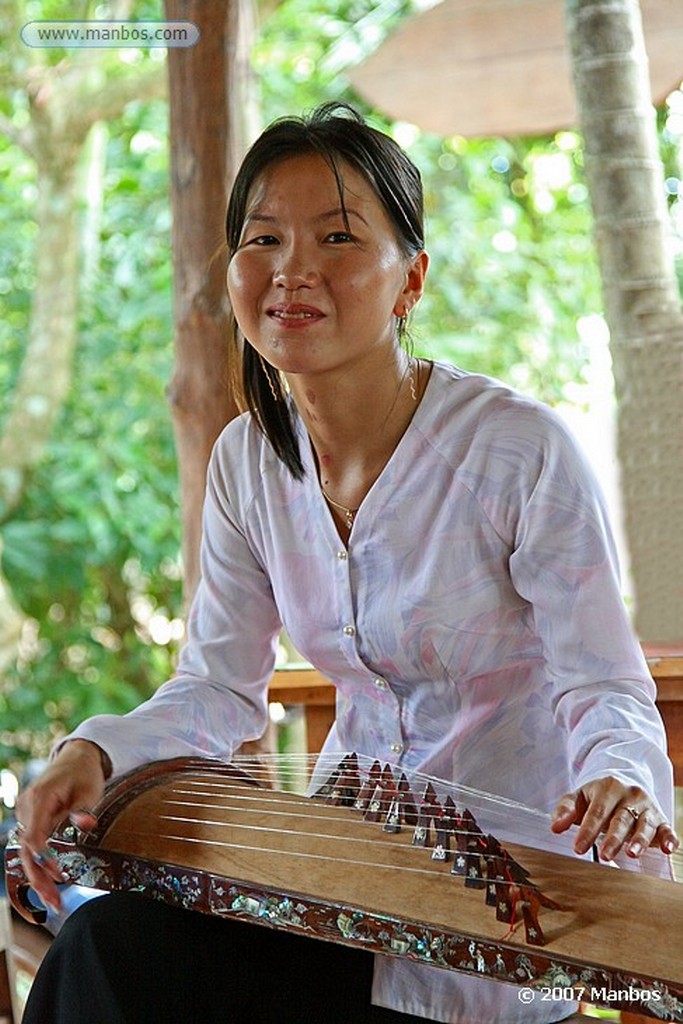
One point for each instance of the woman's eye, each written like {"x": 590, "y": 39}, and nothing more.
{"x": 337, "y": 237}
{"x": 262, "y": 240}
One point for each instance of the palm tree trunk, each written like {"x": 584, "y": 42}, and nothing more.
{"x": 641, "y": 296}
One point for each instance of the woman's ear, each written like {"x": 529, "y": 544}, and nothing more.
{"x": 411, "y": 293}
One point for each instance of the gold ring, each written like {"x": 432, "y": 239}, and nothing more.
{"x": 633, "y": 812}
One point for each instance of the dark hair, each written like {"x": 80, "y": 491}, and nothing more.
{"x": 339, "y": 134}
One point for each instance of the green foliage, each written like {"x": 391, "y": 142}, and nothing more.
{"x": 304, "y": 46}
{"x": 92, "y": 553}
{"x": 513, "y": 267}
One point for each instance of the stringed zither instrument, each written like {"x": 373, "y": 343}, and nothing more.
{"x": 395, "y": 862}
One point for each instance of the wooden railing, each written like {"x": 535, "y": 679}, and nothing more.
{"x": 667, "y": 672}
{"x": 308, "y": 688}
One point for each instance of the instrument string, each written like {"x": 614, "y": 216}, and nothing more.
{"x": 527, "y": 825}
{"x": 327, "y": 764}
{"x": 503, "y": 816}
{"x": 282, "y": 808}
{"x": 464, "y": 795}
{"x": 278, "y": 851}
{"x": 380, "y": 839}
{"x": 305, "y": 808}
{"x": 340, "y": 854}
{"x": 293, "y": 815}
{"x": 384, "y": 840}
{"x": 293, "y": 762}
{"x": 338, "y": 857}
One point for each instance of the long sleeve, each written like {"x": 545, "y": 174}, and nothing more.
{"x": 565, "y": 566}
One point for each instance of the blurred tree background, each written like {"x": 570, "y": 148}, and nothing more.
{"x": 90, "y": 548}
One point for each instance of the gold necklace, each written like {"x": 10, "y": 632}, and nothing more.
{"x": 414, "y": 383}
{"x": 349, "y": 513}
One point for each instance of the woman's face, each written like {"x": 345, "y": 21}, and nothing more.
{"x": 311, "y": 293}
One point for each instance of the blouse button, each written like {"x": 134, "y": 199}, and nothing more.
{"x": 396, "y": 748}
{"x": 381, "y": 684}
{"x": 349, "y": 630}
{"x": 342, "y": 556}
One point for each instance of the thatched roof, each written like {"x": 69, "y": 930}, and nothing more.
{"x": 498, "y": 67}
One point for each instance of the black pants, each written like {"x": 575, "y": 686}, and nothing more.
{"x": 124, "y": 959}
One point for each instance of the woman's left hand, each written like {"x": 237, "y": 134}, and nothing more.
{"x": 626, "y": 817}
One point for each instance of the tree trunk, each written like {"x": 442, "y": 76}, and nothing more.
{"x": 46, "y": 367}
{"x": 202, "y": 165}
{"x": 11, "y": 624}
{"x": 641, "y": 296}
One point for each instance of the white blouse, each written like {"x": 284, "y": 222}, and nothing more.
{"x": 474, "y": 628}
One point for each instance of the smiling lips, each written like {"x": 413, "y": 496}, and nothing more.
{"x": 295, "y": 314}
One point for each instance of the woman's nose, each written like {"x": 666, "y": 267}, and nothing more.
{"x": 296, "y": 268}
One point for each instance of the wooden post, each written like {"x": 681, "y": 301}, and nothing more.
{"x": 202, "y": 166}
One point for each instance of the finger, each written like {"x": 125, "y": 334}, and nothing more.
{"x": 40, "y": 818}
{"x": 40, "y": 865}
{"x": 635, "y": 827}
{"x": 666, "y": 839}
{"x": 568, "y": 811}
{"x": 631, "y": 828}
{"x": 645, "y": 828}
{"x": 42, "y": 872}
{"x": 620, "y": 827}
{"x": 599, "y": 812}
{"x": 46, "y": 804}
{"x": 83, "y": 818}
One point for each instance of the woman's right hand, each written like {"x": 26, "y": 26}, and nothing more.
{"x": 71, "y": 785}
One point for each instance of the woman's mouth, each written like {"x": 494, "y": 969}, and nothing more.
{"x": 294, "y": 315}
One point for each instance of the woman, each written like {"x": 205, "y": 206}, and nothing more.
{"x": 432, "y": 542}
